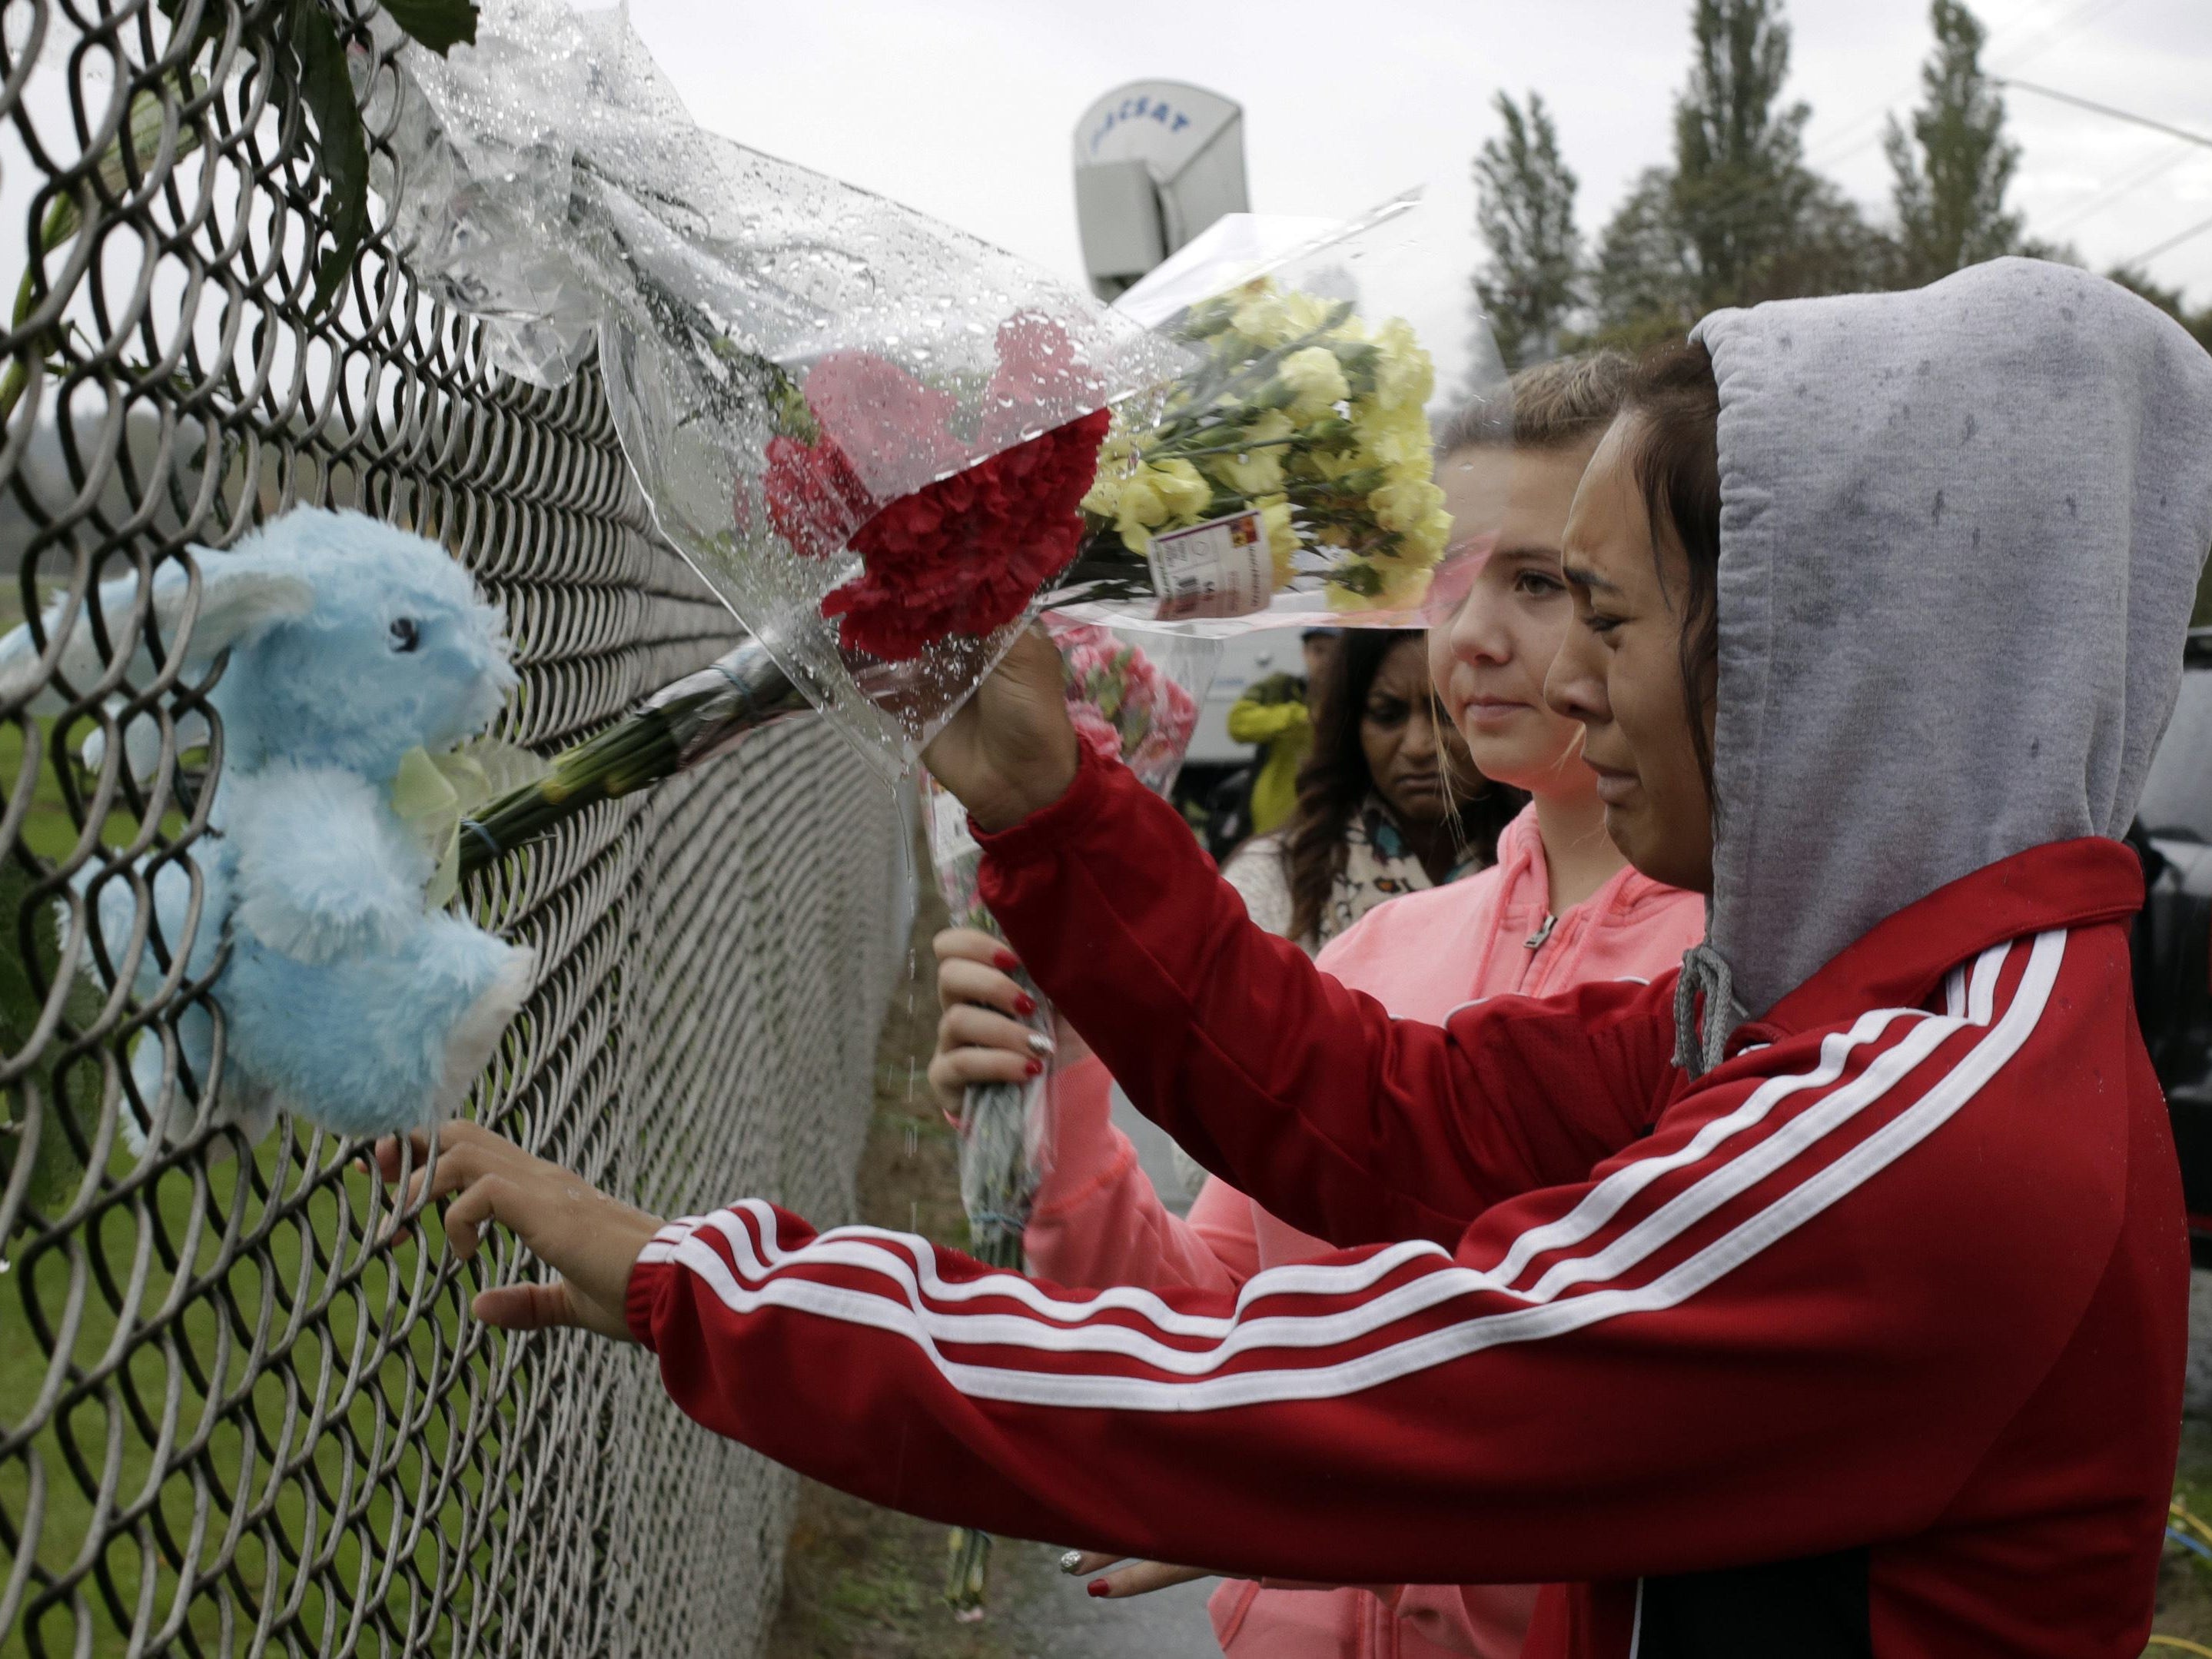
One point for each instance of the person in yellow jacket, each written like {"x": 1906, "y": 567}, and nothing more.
{"x": 1274, "y": 715}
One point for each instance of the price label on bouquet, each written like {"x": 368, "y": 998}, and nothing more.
{"x": 948, "y": 831}
{"x": 1220, "y": 568}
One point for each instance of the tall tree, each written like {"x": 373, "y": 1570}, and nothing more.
{"x": 1739, "y": 217}
{"x": 1741, "y": 184}
{"x": 1525, "y": 212}
{"x": 2170, "y": 301}
{"x": 1951, "y": 171}
{"x": 2199, "y": 322}
{"x": 1644, "y": 284}
{"x": 1833, "y": 250}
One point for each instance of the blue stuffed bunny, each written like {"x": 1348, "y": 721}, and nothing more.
{"x": 345, "y": 997}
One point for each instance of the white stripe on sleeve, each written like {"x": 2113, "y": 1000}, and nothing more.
{"x": 1049, "y": 1324}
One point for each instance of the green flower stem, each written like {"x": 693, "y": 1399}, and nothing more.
{"x": 697, "y": 718}
{"x": 1296, "y": 440}
{"x": 995, "y": 1112}
{"x": 969, "y": 1560}
{"x": 1246, "y": 381}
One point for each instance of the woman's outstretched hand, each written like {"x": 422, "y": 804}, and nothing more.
{"x": 590, "y": 1240}
{"x": 1010, "y": 750}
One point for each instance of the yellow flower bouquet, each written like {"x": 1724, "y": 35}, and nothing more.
{"x": 1293, "y": 458}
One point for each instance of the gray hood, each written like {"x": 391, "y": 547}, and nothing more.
{"x": 1960, "y": 529}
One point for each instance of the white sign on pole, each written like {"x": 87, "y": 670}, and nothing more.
{"x": 1184, "y": 143}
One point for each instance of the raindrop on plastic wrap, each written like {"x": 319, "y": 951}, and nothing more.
{"x": 553, "y": 186}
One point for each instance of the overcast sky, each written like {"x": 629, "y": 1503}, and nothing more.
{"x": 965, "y": 107}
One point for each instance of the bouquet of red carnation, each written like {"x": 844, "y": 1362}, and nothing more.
{"x": 877, "y": 437}
{"x": 964, "y": 554}
{"x": 866, "y": 429}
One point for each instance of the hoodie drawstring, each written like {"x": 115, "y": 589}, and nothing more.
{"x": 1509, "y": 877}
{"x": 1706, "y": 973}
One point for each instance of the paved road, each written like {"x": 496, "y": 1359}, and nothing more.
{"x": 2196, "y": 1389}
{"x": 1156, "y": 1152}
{"x": 1050, "y": 1616}
{"x": 1052, "y": 1619}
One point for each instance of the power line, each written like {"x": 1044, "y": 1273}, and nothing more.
{"x": 2070, "y": 23}
{"x": 2073, "y": 24}
{"x": 2132, "y": 120}
{"x": 2166, "y": 246}
{"x": 1828, "y": 152}
{"x": 2098, "y": 200}
{"x": 2127, "y": 116}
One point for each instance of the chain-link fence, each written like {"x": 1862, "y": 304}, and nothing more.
{"x": 235, "y": 1416}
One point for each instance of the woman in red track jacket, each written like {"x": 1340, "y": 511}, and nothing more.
{"x": 1827, "y": 1300}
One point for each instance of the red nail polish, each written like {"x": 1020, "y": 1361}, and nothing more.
{"x": 1097, "y": 1587}
{"x": 1034, "y": 1066}
{"x": 1007, "y": 960}
{"x": 1025, "y": 1004}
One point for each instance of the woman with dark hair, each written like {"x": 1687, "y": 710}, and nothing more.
{"x": 1826, "y": 1298}
{"x": 1388, "y": 801}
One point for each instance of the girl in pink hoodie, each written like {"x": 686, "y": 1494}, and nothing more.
{"x": 1560, "y": 906}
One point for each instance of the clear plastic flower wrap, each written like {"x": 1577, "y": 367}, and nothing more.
{"x": 1287, "y": 479}
{"x": 877, "y": 438}
{"x": 1135, "y": 695}
{"x": 867, "y": 430}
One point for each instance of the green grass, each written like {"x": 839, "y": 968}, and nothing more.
{"x": 288, "y": 1441}
{"x": 2185, "y": 1579}
{"x": 48, "y": 829}
{"x": 309, "y": 1437}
